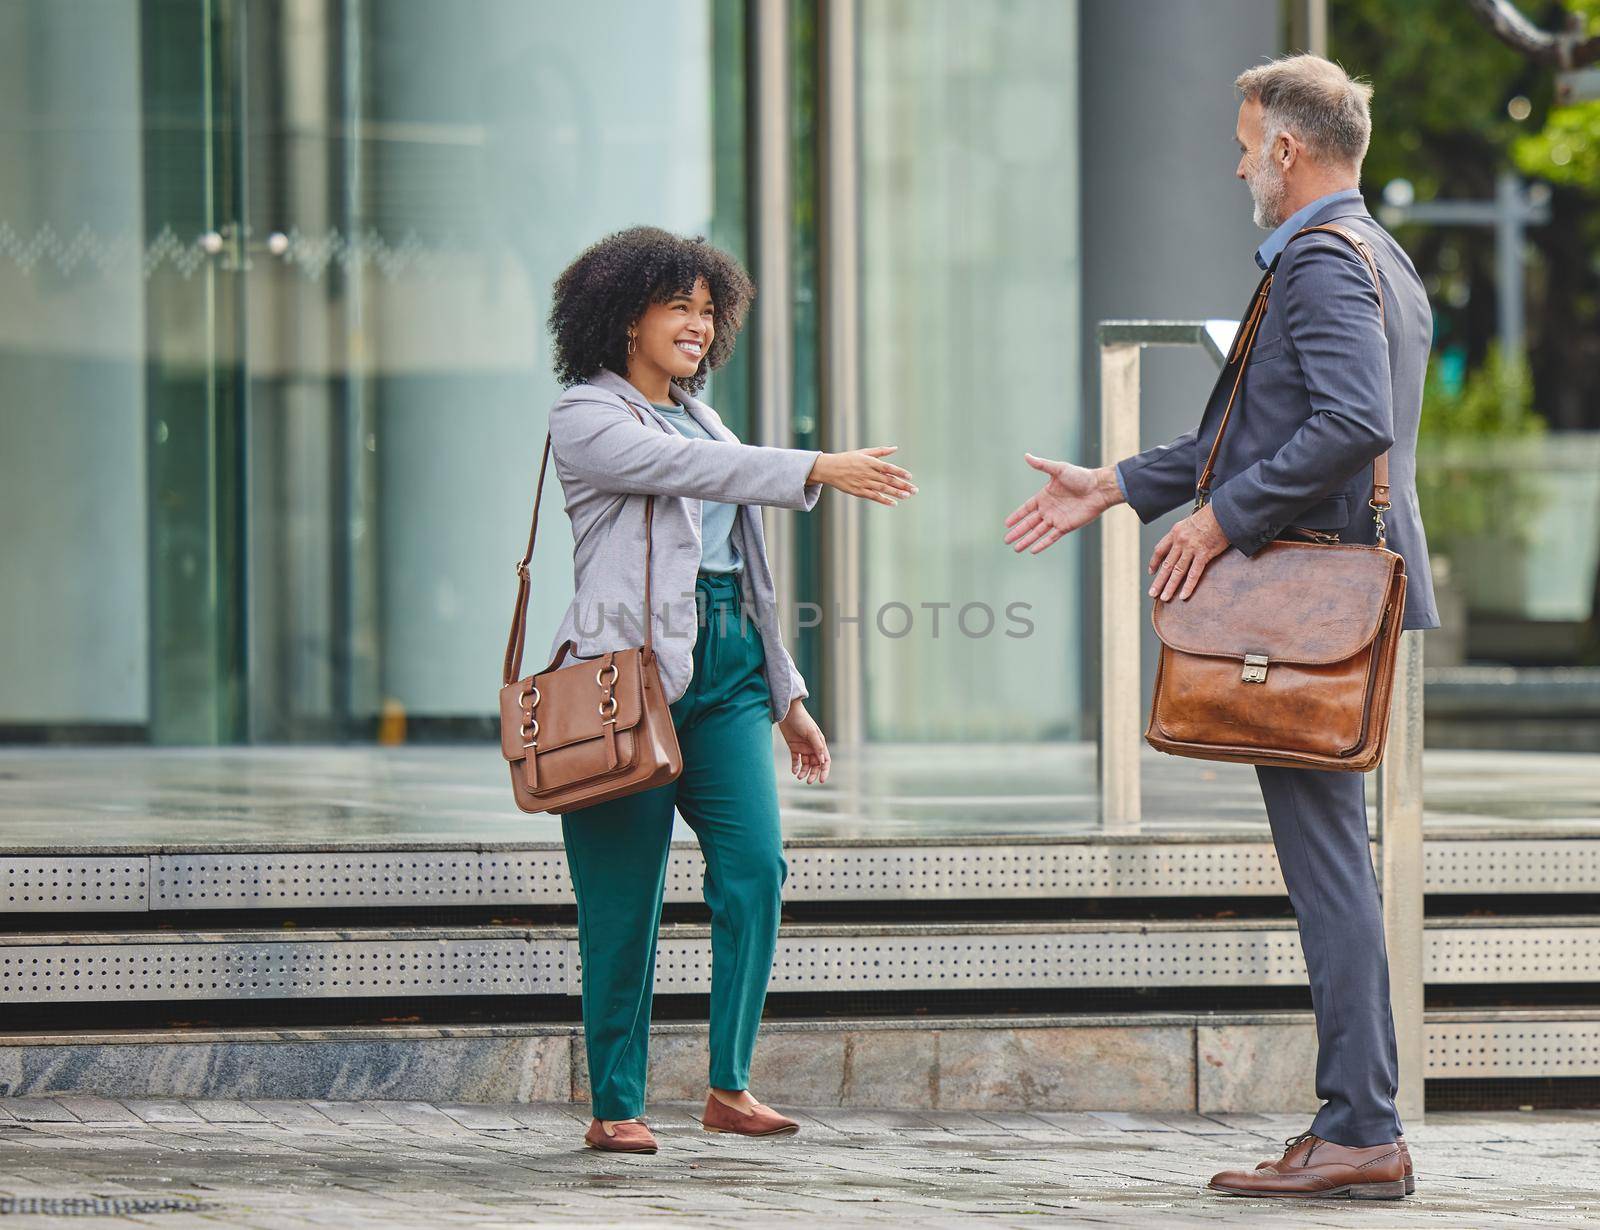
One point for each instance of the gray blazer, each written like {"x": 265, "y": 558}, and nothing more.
{"x": 608, "y": 463}
{"x": 1326, "y": 391}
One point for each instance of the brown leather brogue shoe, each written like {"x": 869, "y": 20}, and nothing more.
{"x": 630, "y": 1136}
{"x": 763, "y": 1121}
{"x": 1315, "y": 1168}
{"x": 1405, "y": 1156}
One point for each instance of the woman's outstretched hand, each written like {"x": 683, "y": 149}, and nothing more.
{"x": 865, "y": 474}
{"x": 808, "y": 750}
{"x": 1071, "y": 498}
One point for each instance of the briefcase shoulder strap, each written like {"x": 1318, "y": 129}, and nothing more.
{"x": 1240, "y": 356}
{"x": 519, "y": 619}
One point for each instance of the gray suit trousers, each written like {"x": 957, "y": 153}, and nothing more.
{"x": 1319, "y": 825}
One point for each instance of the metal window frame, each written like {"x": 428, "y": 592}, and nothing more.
{"x": 839, "y": 238}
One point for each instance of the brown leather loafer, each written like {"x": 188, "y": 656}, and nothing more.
{"x": 763, "y": 1121}
{"x": 1405, "y": 1156}
{"x": 1315, "y": 1168}
{"x": 629, "y": 1137}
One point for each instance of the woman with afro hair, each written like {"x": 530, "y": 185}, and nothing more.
{"x": 639, "y": 319}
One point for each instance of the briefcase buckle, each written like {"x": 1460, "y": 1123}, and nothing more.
{"x": 1255, "y": 668}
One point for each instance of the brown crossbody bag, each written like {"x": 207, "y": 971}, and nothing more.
{"x": 584, "y": 734}
{"x": 1285, "y": 657}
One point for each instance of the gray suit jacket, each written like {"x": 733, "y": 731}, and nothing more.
{"x": 608, "y": 463}
{"x": 1326, "y": 391}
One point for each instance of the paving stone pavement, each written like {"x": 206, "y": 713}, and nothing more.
{"x": 394, "y": 1165}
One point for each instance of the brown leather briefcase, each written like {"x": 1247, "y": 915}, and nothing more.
{"x": 1285, "y": 657}
{"x": 587, "y": 733}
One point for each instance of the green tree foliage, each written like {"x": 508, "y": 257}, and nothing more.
{"x": 1567, "y": 149}
{"x": 1447, "y": 95}
{"x": 1442, "y": 82}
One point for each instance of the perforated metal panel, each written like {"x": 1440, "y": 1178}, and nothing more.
{"x": 1153, "y": 869}
{"x": 278, "y": 969}
{"x": 1569, "y": 952}
{"x": 51, "y": 883}
{"x": 1171, "y": 955}
{"x": 524, "y": 877}
{"x": 856, "y": 958}
{"x": 241, "y": 881}
{"x": 1015, "y": 960}
{"x": 1513, "y": 1048}
{"x": 816, "y": 873}
{"x": 1520, "y": 866}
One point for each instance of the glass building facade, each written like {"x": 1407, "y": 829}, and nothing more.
{"x": 274, "y": 371}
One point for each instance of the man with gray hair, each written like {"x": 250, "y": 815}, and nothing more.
{"x": 1334, "y": 381}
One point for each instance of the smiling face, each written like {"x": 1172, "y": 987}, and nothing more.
{"x": 671, "y": 339}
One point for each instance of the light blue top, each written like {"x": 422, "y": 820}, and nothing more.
{"x": 1271, "y": 248}
{"x": 717, "y": 552}
{"x": 1279, "y": 239}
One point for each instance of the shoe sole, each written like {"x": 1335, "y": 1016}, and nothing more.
{"x": 1350, "y": 1191}
{"x": 589, "y": 1144}
{"x": 783, "y": 1131}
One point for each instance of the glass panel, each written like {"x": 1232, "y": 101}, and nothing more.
{"x": 807, "y": 642}
{"x": 72, "y": 576}
{"x": 273, "y": 361}
{"x": 970, "y": 324}
{"x": 117, "y": 418}
{"x": 427, "y": 170}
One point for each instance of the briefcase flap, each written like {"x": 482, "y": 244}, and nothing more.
{"x": 1291, "y": 602}
{"x": 570, "y": 705}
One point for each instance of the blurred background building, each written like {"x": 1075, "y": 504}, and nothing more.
{"x": 273, "y": 370}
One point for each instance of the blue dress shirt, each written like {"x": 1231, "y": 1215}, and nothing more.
{"x": 1279, "y": 239}
{"x": 717, "y": 552}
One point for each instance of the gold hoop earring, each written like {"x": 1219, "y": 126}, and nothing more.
{"x": 630, "y": 343}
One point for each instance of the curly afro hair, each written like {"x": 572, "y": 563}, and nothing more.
{"x": 606, "y": 290}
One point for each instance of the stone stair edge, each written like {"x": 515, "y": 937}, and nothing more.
{"x": 1029, "y": 1021}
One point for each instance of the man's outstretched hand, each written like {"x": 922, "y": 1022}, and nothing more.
{"x": 1181, "y": 557}
{"x": 1073, "y": 497}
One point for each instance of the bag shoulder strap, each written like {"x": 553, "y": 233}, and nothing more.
{"x": 519, "y": 619}
{"x": 1241, "y": 356}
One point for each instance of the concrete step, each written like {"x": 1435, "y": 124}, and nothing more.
{"x": 333, "y": 875}
{"x": 442, "y": 961}
{"x": 1153, "y": 1063}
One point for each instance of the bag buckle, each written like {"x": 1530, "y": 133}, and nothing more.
{"x": 1378, "y": 509}
{"x": 1255, "y": 668}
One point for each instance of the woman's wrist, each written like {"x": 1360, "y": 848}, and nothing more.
{"x": 820, "y": 469}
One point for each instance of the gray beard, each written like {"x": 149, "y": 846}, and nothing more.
{"x": 1267, "y": 193}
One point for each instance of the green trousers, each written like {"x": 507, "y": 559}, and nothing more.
{"x": 617, "y": 853}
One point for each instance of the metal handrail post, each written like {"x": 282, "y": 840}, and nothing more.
{"x": 1400, "y": 874}
{"x": 1120, "y": 742}
{"x": 1121, "y": 717}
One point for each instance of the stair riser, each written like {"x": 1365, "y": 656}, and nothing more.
{"x": 1167, "y": 1065}
{"x": 1095, "y": 870}
{"x": 506, "y": 961}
